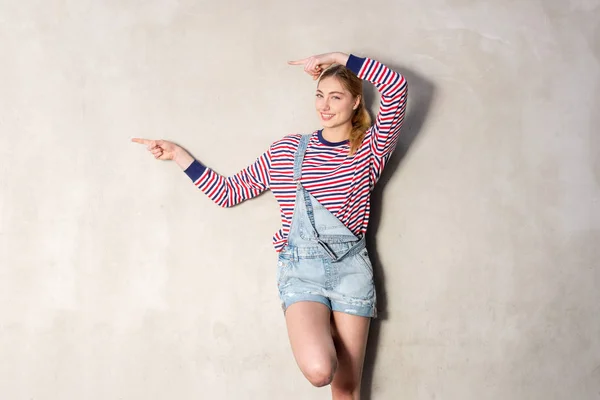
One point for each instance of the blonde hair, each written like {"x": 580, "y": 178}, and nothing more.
{"x": 361, "y": 120}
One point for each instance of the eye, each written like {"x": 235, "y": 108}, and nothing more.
{"x": 337, "y": 97}
{"x": 319, "y": 95}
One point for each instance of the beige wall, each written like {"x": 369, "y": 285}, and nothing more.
{"x": 119, "y": 280}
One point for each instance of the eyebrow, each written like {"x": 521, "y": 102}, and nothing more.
{"x": 319, "y": 90}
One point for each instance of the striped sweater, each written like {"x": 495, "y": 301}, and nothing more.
{"x": 340, "y": 182}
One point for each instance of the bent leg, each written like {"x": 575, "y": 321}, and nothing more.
{"x": 309, "y": 329}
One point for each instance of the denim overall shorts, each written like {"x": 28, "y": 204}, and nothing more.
{"x": 323, "y": 261}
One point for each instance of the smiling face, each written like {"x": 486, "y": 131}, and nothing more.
{"x": 335, "y": 104}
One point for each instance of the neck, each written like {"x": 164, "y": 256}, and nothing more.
{"x": 338, "y": 133}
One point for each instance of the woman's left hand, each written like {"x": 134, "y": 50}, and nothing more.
{"x": 315, "y": 65}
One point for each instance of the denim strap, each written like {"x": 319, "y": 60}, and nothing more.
{"x": 299, "y": 156}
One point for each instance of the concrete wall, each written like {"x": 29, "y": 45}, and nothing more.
{"x": 120, "y": 280}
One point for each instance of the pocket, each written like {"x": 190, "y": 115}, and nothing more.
{"x": 284, "y": 264}
{"x": 365, "y": 262}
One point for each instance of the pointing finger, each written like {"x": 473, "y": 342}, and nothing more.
{"x": 140, "y": 140}
{"x": 298, "y": 62}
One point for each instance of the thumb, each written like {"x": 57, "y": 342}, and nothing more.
{"x": 150, "y": 144}
{"x": 166, "y": 145}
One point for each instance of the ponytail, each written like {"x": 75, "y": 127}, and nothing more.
{"x": 361, "y": 122}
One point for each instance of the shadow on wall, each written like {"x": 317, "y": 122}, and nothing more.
{"x": 420, "y": 98}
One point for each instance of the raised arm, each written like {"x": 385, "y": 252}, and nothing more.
{"x": 393, "y": 89}
{"x": 391, "y": 85}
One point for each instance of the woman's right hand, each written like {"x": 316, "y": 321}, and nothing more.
{"x": 160, "y": 149}
{"x": 165, "y": 150}
{"x": 315, "y": 65}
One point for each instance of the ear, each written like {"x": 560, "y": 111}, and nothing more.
{"x": 357, "y": 102}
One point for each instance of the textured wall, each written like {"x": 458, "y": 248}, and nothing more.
{"x": 120, "y": 280}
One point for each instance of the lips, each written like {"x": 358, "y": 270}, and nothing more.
{"x": 327, "y": 117}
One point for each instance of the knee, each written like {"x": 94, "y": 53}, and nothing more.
{"x": 320, "y": 374}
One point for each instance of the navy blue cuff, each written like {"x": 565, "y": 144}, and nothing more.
{"x": 355, "y": 63}
{"x": 195, "y": 170}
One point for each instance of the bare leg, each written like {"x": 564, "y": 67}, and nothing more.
{"x": 350, "y": 334}
{"x": 309, "y": 330}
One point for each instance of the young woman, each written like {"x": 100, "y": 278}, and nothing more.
{"x": 322, "y": 182}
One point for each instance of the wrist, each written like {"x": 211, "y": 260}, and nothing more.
{"x": 341, "y": 58}
{"x": 182, "y": 158}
